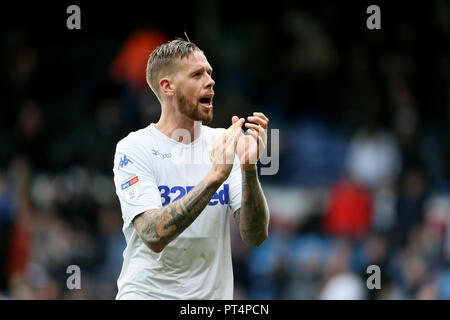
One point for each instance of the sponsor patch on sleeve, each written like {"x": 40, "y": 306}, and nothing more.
{"x": 130, "y": 189}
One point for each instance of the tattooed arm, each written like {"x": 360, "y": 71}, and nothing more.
{"x": 157, "y": 227}
{"x": 253, "y": 216}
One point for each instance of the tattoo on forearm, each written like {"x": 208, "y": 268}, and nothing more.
{"x": 160, "y": 226}
{"x": 253, "y": 217}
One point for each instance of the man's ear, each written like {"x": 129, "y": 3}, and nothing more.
{"x": 167, "y": 87}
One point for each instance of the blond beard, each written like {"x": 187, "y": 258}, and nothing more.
{"x": 191, "y": 111}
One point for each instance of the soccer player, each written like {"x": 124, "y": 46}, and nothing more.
{"x": 175, "y": 207}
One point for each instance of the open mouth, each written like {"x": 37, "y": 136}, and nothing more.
{"x": 206, "y": 102}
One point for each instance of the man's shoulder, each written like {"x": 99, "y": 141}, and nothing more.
{"x": 134, "y": 139}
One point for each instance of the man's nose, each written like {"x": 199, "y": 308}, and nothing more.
{"x": 210, "y": 82}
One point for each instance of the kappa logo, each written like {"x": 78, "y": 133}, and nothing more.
{"x": 163, "y": 155}
{"x": 124, "y": 161}
{"x": 222, "y": 196}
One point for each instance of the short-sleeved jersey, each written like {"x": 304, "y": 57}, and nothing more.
{"x": 152, "y": 170}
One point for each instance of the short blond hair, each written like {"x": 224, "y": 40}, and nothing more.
{"x": 164, "y": 59}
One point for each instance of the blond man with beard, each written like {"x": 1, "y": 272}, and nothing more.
{"x": 175, "y": 210}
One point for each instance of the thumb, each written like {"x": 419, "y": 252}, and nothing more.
{"x": 234, "y": 119}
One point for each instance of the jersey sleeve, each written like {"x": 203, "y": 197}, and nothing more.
{"x": 135, "y": 183}
{"x": 235, "y": 182}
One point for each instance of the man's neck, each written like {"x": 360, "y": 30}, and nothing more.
{"x": 179, "y": 128}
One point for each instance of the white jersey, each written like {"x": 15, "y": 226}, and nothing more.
{"x": 152, "y": 170}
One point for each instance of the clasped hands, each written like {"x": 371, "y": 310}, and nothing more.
{"x": 247, "y": 146}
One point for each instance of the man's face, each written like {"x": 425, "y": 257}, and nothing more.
{"x": 194, "y": 88}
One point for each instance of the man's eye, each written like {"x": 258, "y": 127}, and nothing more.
{"x": 198, "y": 74}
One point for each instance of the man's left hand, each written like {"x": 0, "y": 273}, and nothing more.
{"x": 252, "y": 144}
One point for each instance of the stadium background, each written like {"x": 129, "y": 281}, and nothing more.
{"x": 364, "y": 140}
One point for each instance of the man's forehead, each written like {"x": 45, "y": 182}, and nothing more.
{"x": 195, "y": 60}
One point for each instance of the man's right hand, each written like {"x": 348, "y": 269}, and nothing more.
{"x": 224, "y": 150}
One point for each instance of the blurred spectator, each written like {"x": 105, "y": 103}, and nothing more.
{"x": 373, "y": 158}
{"x": 340, "y": 282}
{"x": 30, "y": 134}
{"x": 384, "y": 208}
{"x": 316, "y": 155}
{"x": 131, "y": 62}
{"x": 349, "y": 210}
{"x": 266, "y": 267}
{"x": 110, "y": 246}
{"x": 129, "y": 70}
{"x": 20, "y": 243}
{"x": 306, "y": 263}
{"x": 345, "y": 286}
{"x": 410, "y": 204}
{"x": 444, "y": 285}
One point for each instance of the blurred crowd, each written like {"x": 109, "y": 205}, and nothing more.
{"x": 364, "y": 148}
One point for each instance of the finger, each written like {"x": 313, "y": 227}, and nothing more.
{"x": 260, "y": 114}
{"x": 237, "y": 132}
{"x": 257, "y": 134}
{"x": 252, "y": 126}
{"x": 230, "y": 145}
{"x": 233, "y": 135}
{"x": 262, "y": 122}
{"x": 259, "y": 139}
{"x": 237, "y": 123}
{"x": 240, "y": 123}
{"x": 261, "y": 133}
{"x": 254, "y": 134}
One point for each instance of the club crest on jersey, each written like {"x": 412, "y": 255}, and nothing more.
{"x": 130, "y": 188}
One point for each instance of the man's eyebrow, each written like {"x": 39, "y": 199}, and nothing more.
{"x": 208, "y": 69}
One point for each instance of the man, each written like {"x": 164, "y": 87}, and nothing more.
{"x": 175, "y": 209}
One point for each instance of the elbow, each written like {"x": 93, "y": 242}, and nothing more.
{"x": 148, "y": 235}
{"x": 257, "y": 241}
{"x": 260, "y": 240}
{"x": 155, "y": 246}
